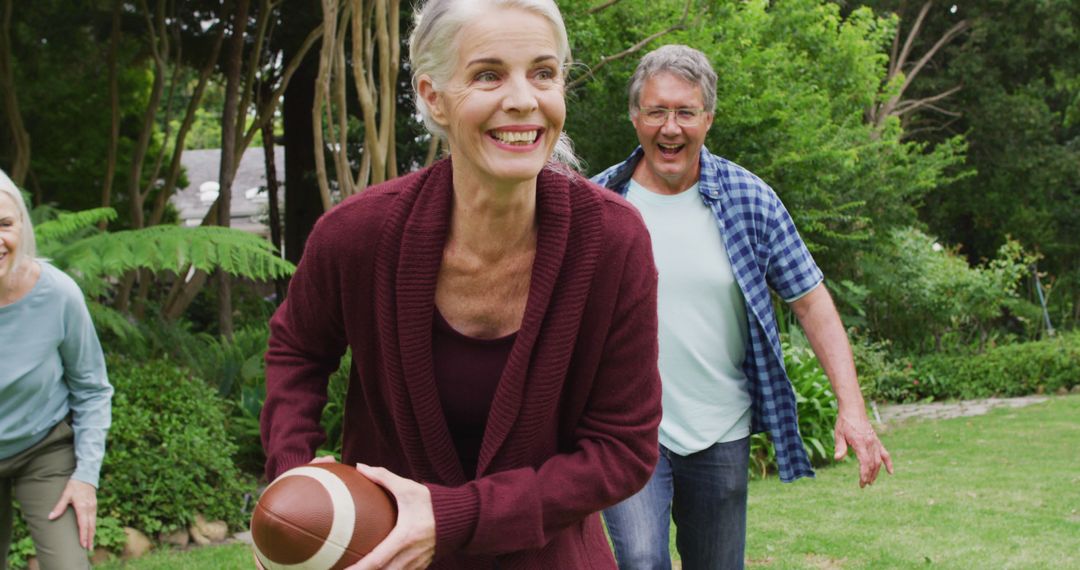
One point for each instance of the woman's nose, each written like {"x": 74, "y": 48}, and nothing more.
{"x": 520, "y": 95}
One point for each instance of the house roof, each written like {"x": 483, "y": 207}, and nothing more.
{"x": 249, "y": 197}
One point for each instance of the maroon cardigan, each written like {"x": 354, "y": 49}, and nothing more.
{"x": 573, "y": 425}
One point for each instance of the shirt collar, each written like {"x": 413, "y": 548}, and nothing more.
{"x": 710, "y": 182}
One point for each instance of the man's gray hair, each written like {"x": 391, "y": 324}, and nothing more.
{"x": 434, "y": 42}
{"x": 681, "y": 61}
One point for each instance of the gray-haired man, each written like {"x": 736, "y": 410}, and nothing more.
{"x": 720, "y": 359}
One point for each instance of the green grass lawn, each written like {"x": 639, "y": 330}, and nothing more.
{"x": 222, "y": 557}
{"x": 994, "y": 491}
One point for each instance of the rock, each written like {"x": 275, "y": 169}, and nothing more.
{"x": 179, "y": 538}
{"x": 204, "y": 533}
{"x": 1062, "y": 391}
{"x": 137, "y": 544}
{"x": 217, "y": 531}
{"x": 100, "y": 556}
{"x": 198, "y": 531}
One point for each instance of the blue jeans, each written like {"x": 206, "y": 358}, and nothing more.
{"x": 705, "y": 494}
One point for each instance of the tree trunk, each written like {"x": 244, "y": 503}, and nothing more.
{"x": 159, "y": 48}
{"x": 19, "y": 135}
{"x": 303, "y": 204}
{"x": 272, "y": 198}
{"x": 182, "y": 294}
{"x": 173, "y": 174}
{"x": 114, "y": 106}
{"x": 229, "y": 151}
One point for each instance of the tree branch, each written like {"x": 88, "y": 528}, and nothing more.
{"x": 322, "y": 86}
{"x": 913, "y": 104}
{"x": 912, "y": 34}
{"x": 603, "y": 6}
{"x": 680, "y": 25}
{"x": 944, "y": 39}
{"x": 265, "y": 111}
{"x": 185, "y": 127}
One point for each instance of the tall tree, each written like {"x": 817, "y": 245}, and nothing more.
{"x": 229, "y": 158}
{"x": 1019, "y": 109}
{"x": 257, "y": 76}
{"x": 20, "y": 137}
{"x": 904, "y": 67}
{"x": 371, "y": 31}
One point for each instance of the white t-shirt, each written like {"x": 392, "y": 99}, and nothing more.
{"x": 702, "y": 318}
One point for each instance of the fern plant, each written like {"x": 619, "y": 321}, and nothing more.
{"x": 94, "y": 258}
{"x": 97, "y": 260}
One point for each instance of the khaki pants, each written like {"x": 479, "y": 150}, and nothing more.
{"x": 36, "y": 478}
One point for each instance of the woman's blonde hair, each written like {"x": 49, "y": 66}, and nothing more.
{"x": 433, "y": 50}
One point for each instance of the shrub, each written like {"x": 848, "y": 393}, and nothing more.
{"x": 235, "y": 369}
{"x": 817, "y": 408}
{"x": 22, "y": 546}
{"x": 1004, "y": 371}
{"x": 919, "y": 294}
{"x": 881, "y": 377}
{"x": 169, "y": 456}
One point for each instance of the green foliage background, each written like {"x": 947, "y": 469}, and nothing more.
{"x": 795, "y": 79}
{"x": 169, "y": 454}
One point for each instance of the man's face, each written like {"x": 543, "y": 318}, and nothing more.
{"x": 671, "y": 149}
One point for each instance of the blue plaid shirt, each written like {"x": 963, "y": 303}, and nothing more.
{"x": 766, "y": 251}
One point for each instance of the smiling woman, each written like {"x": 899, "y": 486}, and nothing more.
{"x": 501, "y": 312}
{"x": 54, "y": 397}
{"x": 502, "y": 109}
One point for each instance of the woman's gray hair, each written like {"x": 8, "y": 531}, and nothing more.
{"x": 681, "y": 61}
{"x": 26, "y": 249}
{"x": 434, "y": 42}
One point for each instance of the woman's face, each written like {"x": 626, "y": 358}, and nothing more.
{"x": 503, "y": 108}
{"x": 10, "y": 226}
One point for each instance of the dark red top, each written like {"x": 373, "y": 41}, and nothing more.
{"x": 467, "y": 371}
{"x": 573, "y": 423}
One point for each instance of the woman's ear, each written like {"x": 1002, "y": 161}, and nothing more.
{"x": 425, "y": 87}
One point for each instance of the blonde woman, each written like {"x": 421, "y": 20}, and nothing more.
{"x": 501, "y": 312}
{"x": 55, "y": 398}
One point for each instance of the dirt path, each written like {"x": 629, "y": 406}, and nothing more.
{"x": 943, "y": 410}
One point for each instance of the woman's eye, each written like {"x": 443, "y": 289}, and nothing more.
{"x": 545, "y": 74}
{"x": 487, "y": 76}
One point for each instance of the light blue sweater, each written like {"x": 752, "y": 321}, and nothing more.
{"x": 51, "y": 364}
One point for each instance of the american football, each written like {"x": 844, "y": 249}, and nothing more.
{"x": 320, "y": 516}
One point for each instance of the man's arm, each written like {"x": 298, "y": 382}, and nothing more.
{"x": 827, "y": 336}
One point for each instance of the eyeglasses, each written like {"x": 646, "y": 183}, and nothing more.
{"x": 685, "y": 117}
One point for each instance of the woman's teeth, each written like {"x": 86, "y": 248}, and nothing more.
{"x": 516, "y": 137}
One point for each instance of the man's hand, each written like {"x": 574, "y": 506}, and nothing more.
{"x": 861, "y": 437}
{"x": 411, "y": 544}
{"x": 83, "y": 498}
